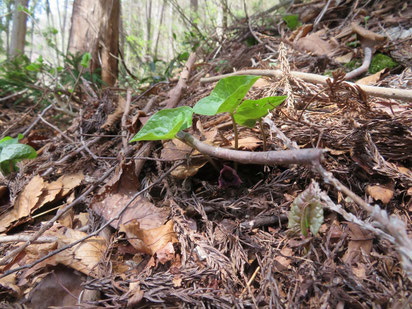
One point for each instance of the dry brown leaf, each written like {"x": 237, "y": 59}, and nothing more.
{"x": 261, "y": 83}
{"x": 361, "y": 242}
{"x": 166, "y": 254}
{"x": 118, "y": 192}
{"x": 58, "y": 289}
{"x": 112, "y": 119}
{"x": 177, "y": 281}
{"x": 344, "y": 58}
{"x": 26, "y": 202}
{"x": 149, "y": 241}
{"x": 70, "y": 182}
{"x": 175, "y": 150}
{"x": 36, "y": 194}
{"x": 315, "y": 44}
{"x": 185, "y": 171}
{"x": 136, "y": 294}
{"x": 9, "y": 284}
{"x": 360, "y": 271}
{"x": 283, "y": 260}
{"x": 248, "y": 143}
{"x": 371, "y": 79}
{"x": 380, "y": 192}
{"x": 336, "y": 152}
{"x": 83, "y": 257}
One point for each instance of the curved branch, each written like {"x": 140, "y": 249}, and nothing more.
{"x": 298, "y": 156}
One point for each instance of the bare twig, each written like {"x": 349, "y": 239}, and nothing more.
{"x": 24, "y": 238}
{"x": 401, "y": 94}
{"x": 176, "y": 92}
{"x": 70, "y": 155}
{"x": 44, "y": 111}
{"x": 56, "y": 129}
{"x": 124, "y": 121}
{"x": 298, "y": 156}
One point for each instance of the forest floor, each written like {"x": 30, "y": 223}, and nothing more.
{"x": 105, "y": 223}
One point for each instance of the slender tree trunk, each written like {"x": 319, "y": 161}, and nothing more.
{"x": 110, "y": 50}
{"x": 148, "y": 27}
{"x": 8, "y": 19}
{"x": 18, "y": 33}
{"x": 170, "y": 50}
{"x": 95, "y": 24}
{"x": 159, "y": 29}
{"x": 62, "y": 22}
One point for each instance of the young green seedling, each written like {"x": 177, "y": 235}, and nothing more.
{"x": 251, "y": 111}
{"x": 12, "y": 152}
{"x": 226, "y": 97}
{"x": 165, "y": 124}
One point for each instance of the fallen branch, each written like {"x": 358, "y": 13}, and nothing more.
{"x": 393, "y": 93}
{"x": 298, "y": 156}
{"x": 176, "y": 93}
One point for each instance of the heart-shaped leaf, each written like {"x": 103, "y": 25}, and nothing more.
{"x": 251, "y": 110}
{"x": 17, "y": 152}
{"x": 165, "y": 124}
{"x": 4, "y": 142}
{"x": 227, "y": 95}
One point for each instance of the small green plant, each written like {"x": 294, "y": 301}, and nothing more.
{"x": 306, "y": 213}
{"x": 12, "y": 152}
{"x": 226, "y": 97}
{"x": 380, "y": 62}
{"x": 292, "y": 21}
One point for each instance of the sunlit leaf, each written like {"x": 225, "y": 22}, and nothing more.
{"x": 306, "y": 212}
{"x": 17, "y": 151}
{"x": 8, "y": 141}
{"x": 227, "y": 95}
{"x": 165, "y": 124}
{"x": 86, "y": 60}
{"x": 251, "y": 110}
{"x": 292, "y": 21}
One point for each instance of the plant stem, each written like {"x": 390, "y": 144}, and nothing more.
{"x": 236, "y": 136}
{"x": 235, "y": 132}
{"x": 263, "y": 134}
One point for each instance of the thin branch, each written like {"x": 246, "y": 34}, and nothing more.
{"x": 401, "y": 94}
{"x": 299, "y": 156}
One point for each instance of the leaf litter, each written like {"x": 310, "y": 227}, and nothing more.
{"x": 187, "y": 240}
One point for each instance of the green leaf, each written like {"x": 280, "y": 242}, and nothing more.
{"x": 165, "y": 124}
{"x": 17, "y": 152}
{"x": 86, "y": 60}
{"x": 307, "y": 211}
{"x": 226, "y": 96}
{"x": 251, "y": 110}
{"x": 4, "y": 142}
{"x": 183, "y": 56}
{"x": 292, "y": 21}
{"x": 34, "y": 67}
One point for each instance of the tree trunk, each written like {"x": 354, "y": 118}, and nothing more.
{"x": 95, "y": 29}
{"x": 110, "y": 50}
{"x": 159, "y": 28}
{"x": 148, "y": 28}
{"x": 18, "y": 33}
